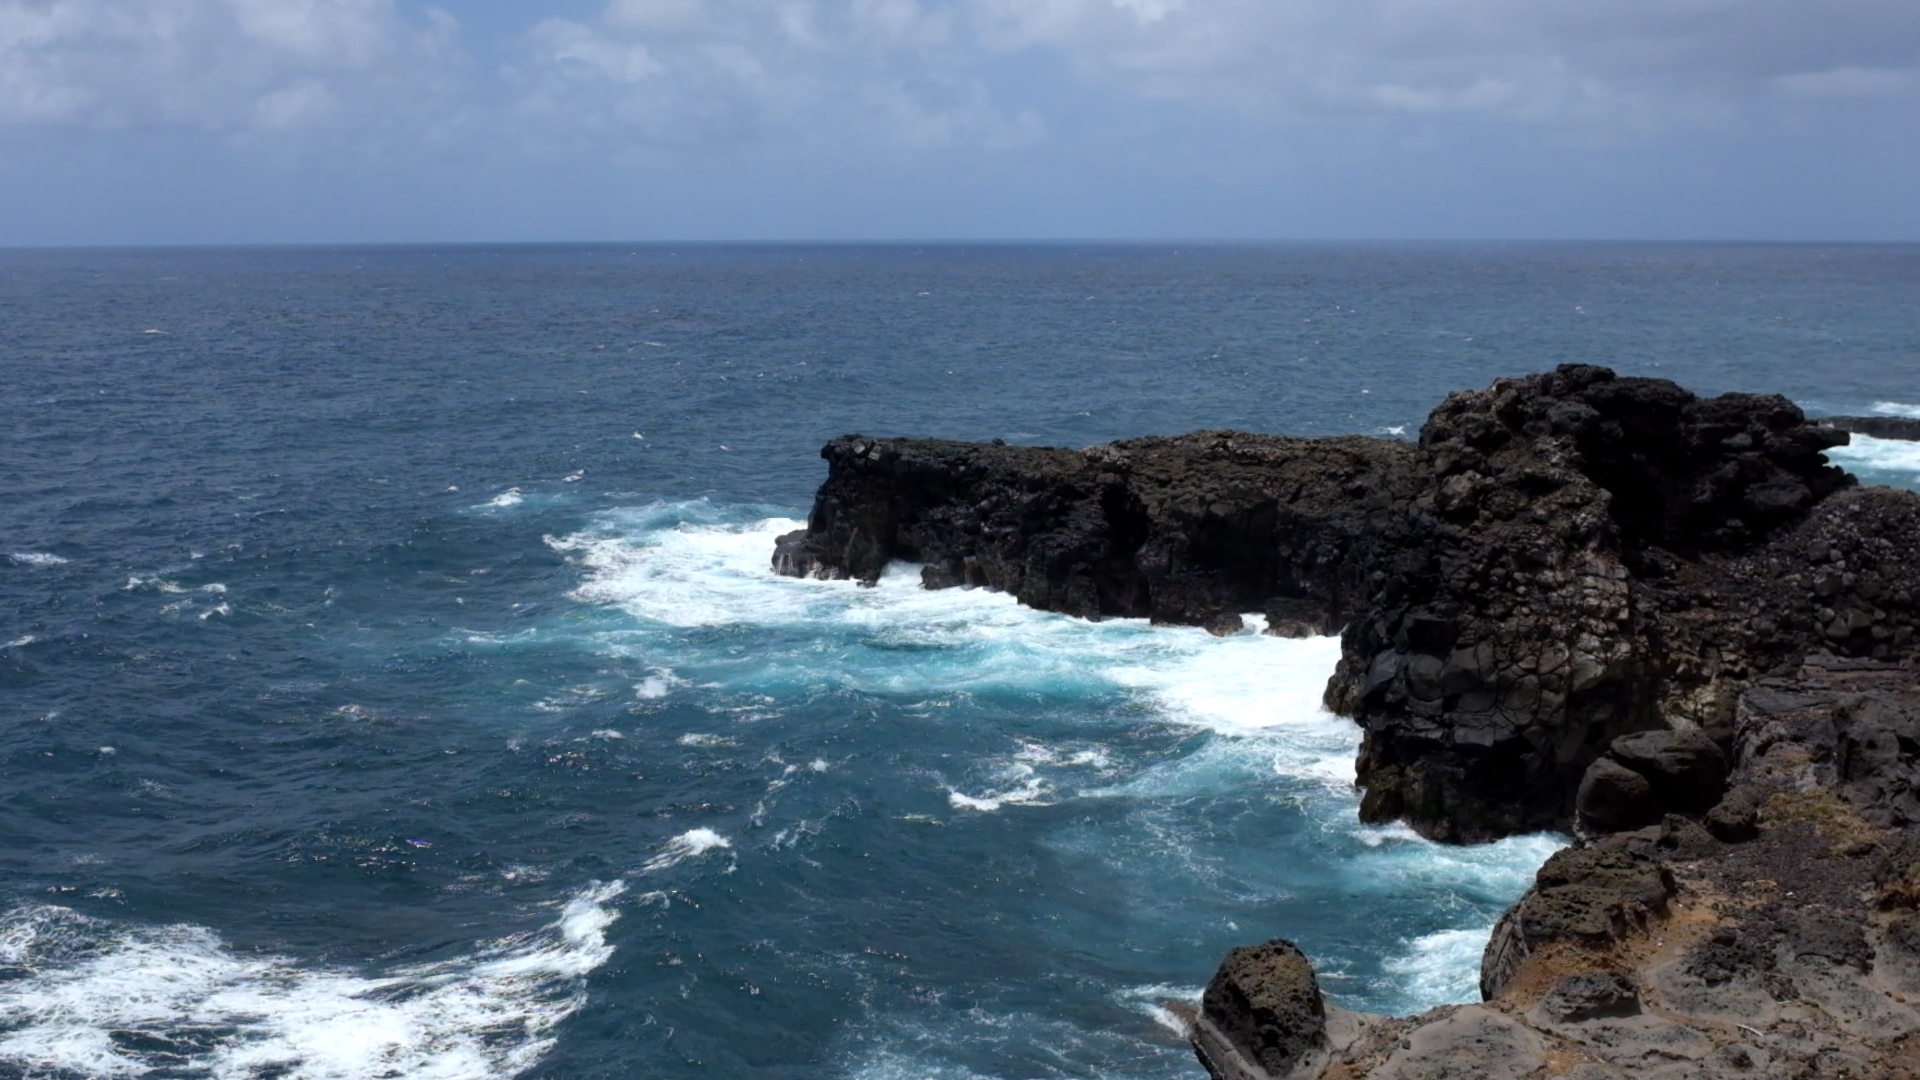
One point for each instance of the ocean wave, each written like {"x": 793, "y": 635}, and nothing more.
{"x": 688, "y": 845}
{"x": 1869, "y": 456}
{"x": 102, "y": 999}
{"x": 37, "y": 558}
{"x": 679, "y": 569}
{"x": 1896, "y": 408}
{"x": 1441, "y": 968}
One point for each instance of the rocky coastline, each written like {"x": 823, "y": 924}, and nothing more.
{"x": 1661, "y": 623}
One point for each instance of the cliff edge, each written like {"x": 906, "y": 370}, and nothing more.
{"x": 1580, "y": 602}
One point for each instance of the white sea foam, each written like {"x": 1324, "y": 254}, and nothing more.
{"x": 688, "y": 845}
{"x": 194, "y": 1006}
{"x": 1024, "y": 787}
{"x": 508, "y": 498}
{"x": 37, "y": 558}
{"x": 705, "y": 739}
{"x": 1441, "y": 968}
{"x": 22, "y": 641}
{"x": 677, "y": 574}
{"x": 1153, "y": 1000}
{"x": 1897, "y": 408}
{"x": 657, "y": 685}
{"x": 1866, "y": 454}
{"x": 1405, "y": 864}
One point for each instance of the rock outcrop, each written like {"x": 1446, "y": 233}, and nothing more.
{"x": 1791, "y": 949}
{"x": 1190, "y": 530}
{"x": 1561, "y": 560}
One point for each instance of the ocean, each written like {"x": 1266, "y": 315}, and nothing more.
{"x": 393, "y": 682}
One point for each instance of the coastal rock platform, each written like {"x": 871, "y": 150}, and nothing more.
{"x": 1601, "y": 605}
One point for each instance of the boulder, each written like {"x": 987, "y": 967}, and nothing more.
{"x": 1613, "y": 798}
{"x": 1265, "y": 1002}
{"x": 1687, "y": 770}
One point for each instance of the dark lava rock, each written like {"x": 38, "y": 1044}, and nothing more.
{"x": 1687, "y": 770}
{"x": 1563, "y": 559}
{"x": 1576, "y": 998}
{"x": 1736, "y": 817}
{"x": 1266, "y": 1001}
{"x": 1685, "y": 838}
{"x": 1179, "y": 530}
{"x": 1899, "y": 875}
{"x": 1588, "y": 895}
{"x": 1225, "y": 625}
{"x": 1830, "y": 936}
{"x": 1613, "y": 798}
{"x": 1727, "y": 955}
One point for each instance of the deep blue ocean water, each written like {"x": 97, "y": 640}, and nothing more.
{"x": 392, "y": 682}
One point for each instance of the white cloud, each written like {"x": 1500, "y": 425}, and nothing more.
{"x": 915, "y": 74}
{"x": 717, "y": 74}
{"x": 1631, "y": 64}
{"x": 219, "y": 64}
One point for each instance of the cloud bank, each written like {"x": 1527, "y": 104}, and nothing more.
{"x": 641, "y": 82}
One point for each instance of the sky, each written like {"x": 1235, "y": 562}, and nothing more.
{"x": 304, "y": 121}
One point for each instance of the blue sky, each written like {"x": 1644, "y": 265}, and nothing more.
{"x": 216, "y": 121}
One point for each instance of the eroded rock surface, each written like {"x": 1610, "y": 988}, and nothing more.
{"x": 1579, "y": 602}
{"x": 1791, "y": 954}
{"x": 1561, "y": 560}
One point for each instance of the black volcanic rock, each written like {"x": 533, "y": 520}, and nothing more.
{"x": 1265, "y": 1000}
{"x": 1548, "y": 504}
{"x": 1562, "y": 560}
{"x": 1687, "y": 770}
{"x": 1179, "y": 530}
{"x": 1613, "y": 798}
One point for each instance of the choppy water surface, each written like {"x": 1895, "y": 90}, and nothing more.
{"x": 392, "y": 681}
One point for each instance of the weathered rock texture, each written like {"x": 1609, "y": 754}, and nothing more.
{"x": 1580, "y": 601}
{"x": 1791, "y": 954}
{"x": 1181, "y": 530}
{"x": 1561, "y": 560}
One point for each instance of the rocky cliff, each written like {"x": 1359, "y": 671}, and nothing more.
{"x": 1580, "y": 602}
{"x": 1776, "y": 936}
{"x": 1560, "y": 560}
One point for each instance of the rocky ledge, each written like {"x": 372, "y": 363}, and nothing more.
{"x": 1776, "y": 936}
{"x": 1580, "y": 602}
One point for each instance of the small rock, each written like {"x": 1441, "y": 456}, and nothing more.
{"x": 1685, "y": 838}
{"x": 1225, "y": 625}
{"x": 1736, "y": 817}
{"x": 1591, "y": 997}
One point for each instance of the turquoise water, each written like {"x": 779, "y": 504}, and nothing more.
{"x": 392, "y": 681}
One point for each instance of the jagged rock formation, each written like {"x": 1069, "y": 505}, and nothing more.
{"x": 1180, "y": 530}
{"x": 1791, "y": 953}
{"x": 1580, "y": 601}
{"x": 1561, "y": 560}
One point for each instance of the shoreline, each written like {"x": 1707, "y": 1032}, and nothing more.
{"x": 1602, "y": 605}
